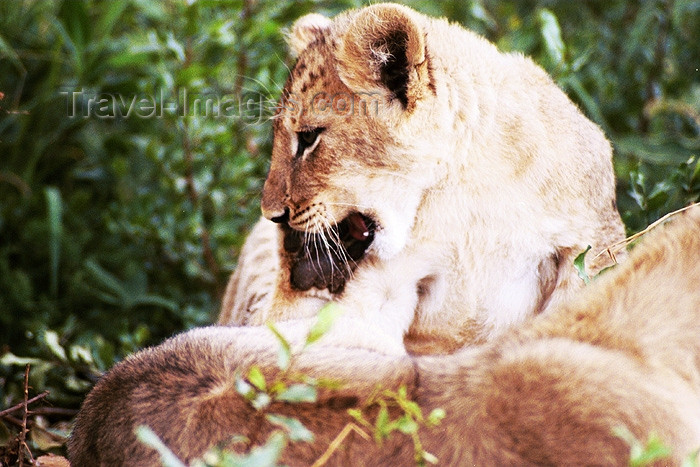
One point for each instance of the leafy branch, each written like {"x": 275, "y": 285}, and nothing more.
{"x": 409, "y": 423}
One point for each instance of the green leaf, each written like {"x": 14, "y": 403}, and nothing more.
{"x": 277, "y": 387}
{"x": 130, "y": 58}
{"x": 580, "y": 265}
{"x": 325, "y": 319}
{"x": 659, "y": 195}
{"x": 428, "y": 457}
{"x": 256, "y": 378}
{"x": 105, "y": 279}
{"x": 76, "y": 384}
{"x": 258, "y": 400}
{"x": 45, "y": 439}
{"x": 660, "y": 152}
{"x": 296, "y": 430}
{"x": 175, "y": 47}
{"x": 696, "y": 171}
{"x": 12, "y": 359}
{"x": 298, "y": 393}
{"x": 647, "y": 454}
{"x": 81, "y": 354}
{"x": 642, "y": 454}
{"x": 436, "y": 416}
{"x": 54, "y": 208}
{"x": 244, "y": 388}
{"x": 326, "y": 383}
{"x": 382, "y": 426}
{"x": 411, "y": 408}
{"x": 402, "y": 392}
{"x": 51, "y": 340}
{"x": 149, "y": 438}
{"x": 266, "y": 455}
{"x": 109, "y": 18}
{"x": 477, "y": 10}
{"x": 406, "y": 424}
{"x": 74, "y": 16}
{"x": 551, "y": 34}
{"x": 284, "y": 355}
{"x": 153, "y": 300}
{"x": 360, "y": 418}
{"x": 261, "y": 401}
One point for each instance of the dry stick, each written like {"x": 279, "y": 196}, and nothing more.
{"x": 337, "y": 441}
{"x": 23, "y": 433}
{"x": 14, "y": 408}
{"x": 13, "y": 420}
{"x": 617, "y": 246}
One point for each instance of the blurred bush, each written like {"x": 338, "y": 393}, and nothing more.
{"x": 117, "y": 231}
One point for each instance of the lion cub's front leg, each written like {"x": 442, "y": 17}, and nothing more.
{"x": 380, "y": 304}
{"x": 377, "y": 306}
{"x": 281, "y": 277}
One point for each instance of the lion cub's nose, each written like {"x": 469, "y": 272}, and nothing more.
{"x": 279, "y": 218}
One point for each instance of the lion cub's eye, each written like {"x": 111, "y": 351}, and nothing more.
{"x": 307, "y": 140}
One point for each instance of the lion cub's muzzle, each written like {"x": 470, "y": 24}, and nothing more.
{"x": 327, "y": 259}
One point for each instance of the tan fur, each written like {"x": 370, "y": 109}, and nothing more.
{"x": 484, "y": 179}
{"x": 625, "y": 352}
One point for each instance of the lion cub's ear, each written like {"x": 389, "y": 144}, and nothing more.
{"x": 306, "y": 30}
{"x": 384, "y": 46}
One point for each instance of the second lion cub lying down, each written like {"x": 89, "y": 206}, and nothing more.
{"x": 626, "y": 352}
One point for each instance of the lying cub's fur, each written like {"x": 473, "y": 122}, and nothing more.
{"x": 435, "y": 187}
{"x": 625, "y": 352}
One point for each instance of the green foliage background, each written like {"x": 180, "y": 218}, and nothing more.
{"x": 118, "y": 232}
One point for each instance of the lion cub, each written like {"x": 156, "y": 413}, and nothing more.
{"x": 624, "y": 353}
{"x": 436, "y": 188}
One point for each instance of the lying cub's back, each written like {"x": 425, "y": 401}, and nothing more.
{"x": 626, "y": 352}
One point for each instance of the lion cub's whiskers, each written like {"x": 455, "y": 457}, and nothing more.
{"x": 307, "y": 250}
{"x": 322, "y": 241}
{"x": 342, "y": 253}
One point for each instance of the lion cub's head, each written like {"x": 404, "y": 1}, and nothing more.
{"x": 343, "y": 168}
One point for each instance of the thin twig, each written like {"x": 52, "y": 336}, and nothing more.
{"x": 13, "y": 420}
{"x": 14, "y": 408}
{"x": 23, "y": 433}
{"x": 338, "y": 440}
{"x": 623, "y": 243}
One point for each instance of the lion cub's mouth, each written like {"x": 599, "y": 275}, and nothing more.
{"x": 327, "y": 259}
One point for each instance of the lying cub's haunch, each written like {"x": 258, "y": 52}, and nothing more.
{"x": 624, "y": 352}
{"x": 437, "y": 188}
